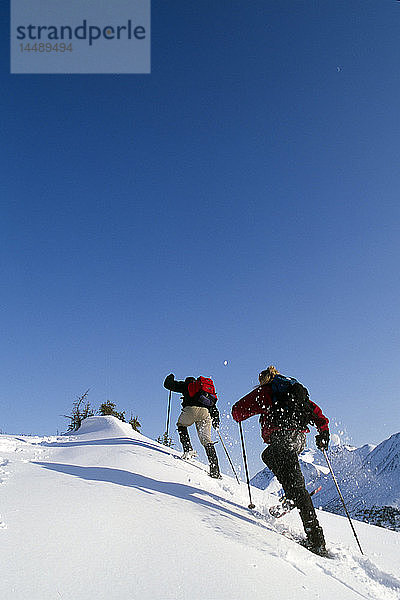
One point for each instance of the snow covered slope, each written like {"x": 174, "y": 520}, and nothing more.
{"x": 369, "y": 478}
{"x": 109, "y": 514}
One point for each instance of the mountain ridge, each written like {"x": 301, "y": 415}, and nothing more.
{"x": 368, "y": 476}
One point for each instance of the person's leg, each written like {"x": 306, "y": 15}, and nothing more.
{"x": 312, "y": 528}
{"x": 186, "y": 418}
{"x": 213, "y": 461}
{"x": 282, "y": 459}
{"x": 203, "y": 426}
{"x": 202, "y": 420}
{"x": 185, "y": 439}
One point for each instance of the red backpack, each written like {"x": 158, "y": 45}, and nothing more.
{"x": 203, "y": 391}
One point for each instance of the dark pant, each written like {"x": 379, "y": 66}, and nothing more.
{"x": 281, "y": 457}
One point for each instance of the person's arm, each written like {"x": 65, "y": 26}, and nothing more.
{"x": 175, "y": 386}
{"x": 256, "y": 402}
{"x": 321, "y": 422}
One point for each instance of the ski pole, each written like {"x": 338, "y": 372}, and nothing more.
{"x": 168, "y": 413}
{"x": 341, "y": 497}
{"x": 229, "y": 458}
{"x": 251, "y": 505}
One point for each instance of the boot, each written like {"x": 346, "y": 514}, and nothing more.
{"x": 315, "y": 540}
{"x": 185, "y": 440}
{"x": 213, "y": 460}
{"x": 315, "y": 536}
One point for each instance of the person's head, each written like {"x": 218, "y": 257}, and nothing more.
{"x": 189, "y": 379}
{"x": 267, "y": 375}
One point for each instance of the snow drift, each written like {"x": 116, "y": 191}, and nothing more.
{"x": 110, "y": 514}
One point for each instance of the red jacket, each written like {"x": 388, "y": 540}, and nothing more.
{"x": 259, "y": 402}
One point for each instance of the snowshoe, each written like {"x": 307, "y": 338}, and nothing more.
{"x": 189, "y": 454}
{"x": 286, "y": 505}
{"x": 319, "y": 550}
{"x": 279, "y": 510}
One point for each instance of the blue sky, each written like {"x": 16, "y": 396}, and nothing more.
{"x": 239, "y": 204}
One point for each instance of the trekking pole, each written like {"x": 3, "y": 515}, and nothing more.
{"x": 229, "y": 458}
{"x": 251, "y": 505}
{"x": 341, "y": 497}
{"x": 168, "y": 414}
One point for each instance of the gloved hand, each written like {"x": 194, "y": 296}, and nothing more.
{"x": 169, "y": 381}
{"x": 215, "y": 421}
{"x": 322, "y": 440}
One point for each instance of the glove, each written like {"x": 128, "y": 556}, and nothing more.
{"x": 215, "y": 421}
{"x": 169, "y": 380}
{"x": 322, "y": 440}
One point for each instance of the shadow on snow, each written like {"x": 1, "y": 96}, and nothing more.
{"x": 150, "y": 486}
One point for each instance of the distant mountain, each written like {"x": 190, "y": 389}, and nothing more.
{"x": 369, "y": 478}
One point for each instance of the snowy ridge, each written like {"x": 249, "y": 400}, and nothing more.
{"x": 101, "y": 427}
{"x": 369, "y": 478}
{"x": 109, "y": 514}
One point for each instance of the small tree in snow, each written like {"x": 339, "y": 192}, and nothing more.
{"x": 165, "y": 440}
{"x": 108, "y": 409}
{"x": 134, "y": 422}
{"x": 81, "y": 409}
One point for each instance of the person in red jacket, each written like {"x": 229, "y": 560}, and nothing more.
{"x": 283, "y": 427}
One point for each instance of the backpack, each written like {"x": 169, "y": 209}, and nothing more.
{"x": 203, "y": 391}
{"x": 291, "y": 406}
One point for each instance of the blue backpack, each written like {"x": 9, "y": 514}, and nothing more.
{"x": 291, "y": 406}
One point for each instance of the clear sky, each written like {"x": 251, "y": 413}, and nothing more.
{"x": 239, "y": 204}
